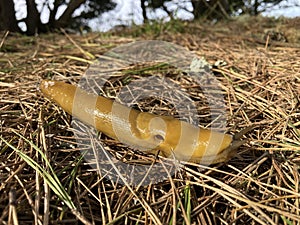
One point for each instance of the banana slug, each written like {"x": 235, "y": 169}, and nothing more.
{"x": 142, "y": 130}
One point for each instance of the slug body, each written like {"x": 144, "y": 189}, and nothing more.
{"x": 144, "y": 131}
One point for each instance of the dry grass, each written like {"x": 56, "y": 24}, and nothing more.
{"x": 261, "y": 85}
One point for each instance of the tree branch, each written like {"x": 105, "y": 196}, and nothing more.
{"x": 53, "y": 11}
{"x": 67, "y": 15}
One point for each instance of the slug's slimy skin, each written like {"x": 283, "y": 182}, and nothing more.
{"x": 141, "y": 130}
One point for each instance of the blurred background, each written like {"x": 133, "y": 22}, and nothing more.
{"x": 37, "y": 16}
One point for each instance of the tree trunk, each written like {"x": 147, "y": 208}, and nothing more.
{"x": 256, "y": 5}
{"x": 67, "y": 15}
{"x": 198, "y": 8}
{"x": 8, "y": 19}
{"x": 32, "y": 20}
{"x": 144, "y": 12}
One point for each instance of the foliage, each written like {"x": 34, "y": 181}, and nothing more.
{"x": 253, "y": 7}
{"x": 217, "y": 9}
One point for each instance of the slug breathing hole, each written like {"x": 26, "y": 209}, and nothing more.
{"x": 159, "y": 138}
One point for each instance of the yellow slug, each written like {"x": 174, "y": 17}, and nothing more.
{"x": 145, "y": 131}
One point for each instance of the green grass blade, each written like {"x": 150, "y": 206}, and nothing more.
{"x": 50, "y": 177}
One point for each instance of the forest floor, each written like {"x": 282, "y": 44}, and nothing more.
{"x": 47, "y": 178}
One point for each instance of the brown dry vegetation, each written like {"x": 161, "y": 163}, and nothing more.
{"x": 261, "y": 85}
